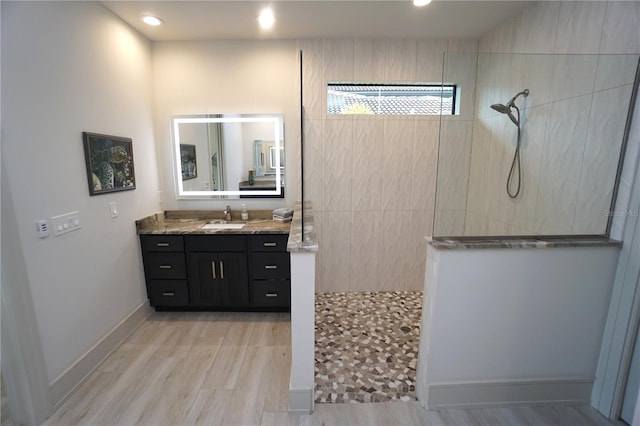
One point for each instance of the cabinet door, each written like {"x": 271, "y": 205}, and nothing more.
{"x": 204, "y": 282}
{"x": 234, "y": 279}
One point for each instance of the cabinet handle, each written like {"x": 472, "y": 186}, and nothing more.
{"x": 271, "y": 295}
{"x": 270, "y": 266}
{"x": 168, "y": 293}
{"x": 269, "y": 244}
{"x": 213, "y": 269}
{"x": 162, "y": 245}
{"x": 221, "y": 270}
{"x": 165, "y": 266}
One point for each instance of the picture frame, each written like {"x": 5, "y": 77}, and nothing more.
{"x": 109, "y": 163}
{"x": 188, "y": 161}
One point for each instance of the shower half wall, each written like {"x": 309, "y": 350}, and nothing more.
{"x": 573, "y": 126}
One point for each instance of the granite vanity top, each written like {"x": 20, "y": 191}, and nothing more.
{"x": 491, "y": 243}
{"x": 299, "y": 241}
{"x": 192, "y": 221}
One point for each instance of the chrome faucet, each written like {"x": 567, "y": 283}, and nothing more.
{"x": 227, "y": 213}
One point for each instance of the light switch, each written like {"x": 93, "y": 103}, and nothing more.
{"x": 113, "y": 208}
{"x": 43, "y": 229}
{"x": 66, "y": 223}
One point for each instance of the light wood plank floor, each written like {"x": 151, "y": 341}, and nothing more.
{"x": 219, "y": 368}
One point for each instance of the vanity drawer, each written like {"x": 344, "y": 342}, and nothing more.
{"x": 273, "y": 293}
{"x": 271, "y": 266}
{"x": 160, "y": 243}
{"x": 216, "y": 243}
{"x": 268, "y": 243}
{"x": 168, "y": 293}
{"x": 165, "y": 266}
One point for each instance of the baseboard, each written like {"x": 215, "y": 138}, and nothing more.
{"x": 65, "y": 384}
{"x": 506, "y": 393}
{"x": 301, "y": 401}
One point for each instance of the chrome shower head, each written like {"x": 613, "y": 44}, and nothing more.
{"x": 503, "y": 109}
{"x": 506, "y": 109}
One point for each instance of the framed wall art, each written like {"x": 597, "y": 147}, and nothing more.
{"x": 109, "y": 162}
{"x": 188, "y": 161}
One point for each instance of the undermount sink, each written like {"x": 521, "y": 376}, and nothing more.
{"x": 223, "y": 226}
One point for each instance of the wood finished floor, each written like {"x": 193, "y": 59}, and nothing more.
{"x": 218, "y": 368}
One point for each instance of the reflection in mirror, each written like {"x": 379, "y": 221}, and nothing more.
{"x": 228, "y": 156}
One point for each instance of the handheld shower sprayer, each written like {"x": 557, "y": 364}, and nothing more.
{"x": 506, "y": 109}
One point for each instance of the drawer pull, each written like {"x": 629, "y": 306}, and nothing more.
{"x": 165, "y": 266}
{"x": 271, "y": 295}
{"x": 213, "y": 269}
{"x": 269, "y": 244}
{"x": 270, "y": 266}
{"x": 163, "y": 245}
{"x": 169, "y": 293}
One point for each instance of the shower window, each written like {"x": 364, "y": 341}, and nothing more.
{"x": 391, "y": 99}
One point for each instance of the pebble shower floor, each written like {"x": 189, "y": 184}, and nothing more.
{"x": 366, "y": 346}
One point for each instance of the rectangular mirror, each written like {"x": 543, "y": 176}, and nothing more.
{"x": 228, "y": 156}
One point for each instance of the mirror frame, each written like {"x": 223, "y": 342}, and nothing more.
{"x": 278, "y": 129}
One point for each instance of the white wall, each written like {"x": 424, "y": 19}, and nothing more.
{"x": 372, "y": 178}
{"x": 573, "y": 119}
{"x": 70, "y": 67}
{"x": 226, "y": 77}
{"x": 528, "y": 322}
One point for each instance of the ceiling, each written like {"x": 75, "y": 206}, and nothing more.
{"x": 201, "y": 20}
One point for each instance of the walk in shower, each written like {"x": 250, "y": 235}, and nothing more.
{"x": 561, "y": 162}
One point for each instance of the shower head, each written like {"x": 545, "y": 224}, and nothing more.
{"x": 506, "y": 109}
{"x": 503, "y": 109}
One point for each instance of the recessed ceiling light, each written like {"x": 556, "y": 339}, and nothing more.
{"x": 421, "y": 2}
{"x": 266, "y": 18}
{"x": 152, "y": 20}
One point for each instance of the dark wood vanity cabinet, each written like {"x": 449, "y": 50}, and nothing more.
{"x": 231, "y": 272}
{"x": 270, "y": 271}
{"x": 165, "y": 270}
{"x": 217, "y": 270}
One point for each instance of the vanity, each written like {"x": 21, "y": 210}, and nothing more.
{"x": 195, "y": 260}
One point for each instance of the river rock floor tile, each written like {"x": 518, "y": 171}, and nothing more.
{"x": 366, "y": 346}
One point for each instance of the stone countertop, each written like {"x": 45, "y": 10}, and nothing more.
{"x": 300, "y": 242}
{"x": 493, "y": 243}
{"x": 191, "y": 222}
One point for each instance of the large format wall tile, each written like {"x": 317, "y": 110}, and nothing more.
{"x": 401, "y": 60}
{"x": 337, "y": 57}
{"x": 369, "y": 60}
{"x": 573, "y": 75}
{"x": 396, "y": 164}
{"x": 600, "y": 160}
{"x": 366, "y": 248}
{"x": 425, "y": 165}
{"x": 561, "y": 163}
{"x": 313, "y": 82}
{"x": 615, "y": 70}
{"x": 535, "y": 28}
{"x": 366, "y": 167}
{"x": 429, "y": 60}
{"x": 576, "y": 21}
{"x": 336, "y": 251}
{"x": 337, "y": 152}
{"x": 395, "y": 256}
{"x": 313, "y": 162}
{"x": 621, "y": 32}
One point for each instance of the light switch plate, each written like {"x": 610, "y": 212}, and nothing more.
{"x": 113, "y": 208}
{"x": 42, "y": 229}
{"x": 66, "y": 223}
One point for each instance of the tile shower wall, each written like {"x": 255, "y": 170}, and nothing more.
{"x": 561, "y": 192}
{"x": 372, "y": 178}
